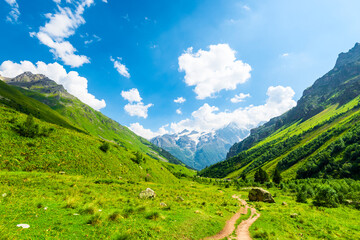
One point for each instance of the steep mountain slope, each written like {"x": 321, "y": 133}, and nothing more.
{"x": 45, "y": 90}
{"x": 340, "y": 85}
{"x": 199, "y": 150}
{"x": 13, "y": 98}
{"x": 317, "y": 138}
{"x": 71, "y": 152}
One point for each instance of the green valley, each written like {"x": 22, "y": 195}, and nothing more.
{"x": 70, "y": 172}
{"x": 317, "y": 138}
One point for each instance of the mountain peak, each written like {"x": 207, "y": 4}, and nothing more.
{"x": 184, "y": 131}
{"x": 38, "y": 83}
{"x": 28, "y": 77}
{"x": 353, "y": 55}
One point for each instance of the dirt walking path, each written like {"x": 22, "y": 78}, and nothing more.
{"x": 242, "y": 231}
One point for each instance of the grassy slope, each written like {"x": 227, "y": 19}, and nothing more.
{"x": 331, "y": 118}
{"x": 299, "y": 128}
{"x": 13, "y": 98}
{"x": 98, "y": 124}
{"x": 70, "y": 151}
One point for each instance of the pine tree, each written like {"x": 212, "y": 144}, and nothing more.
{"x": 277, "y": 176}
{"x": 261, "y": 176}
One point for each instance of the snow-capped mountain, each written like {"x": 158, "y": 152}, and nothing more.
{"x": 199, "y": 150}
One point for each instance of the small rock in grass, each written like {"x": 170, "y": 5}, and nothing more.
{"x": 148, "y": 193}
{"x": 294, "y": 215}
{"x": 197, "y": 211}
{"x": 162, "y": 204}
{"x": 179, "y": 198}
{"x": 23, "y": 225}
{"x": 284, "y": 204}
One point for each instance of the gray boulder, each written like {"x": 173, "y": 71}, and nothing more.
{"x": 148, "y": 193}
{"x": 260, "y": 195}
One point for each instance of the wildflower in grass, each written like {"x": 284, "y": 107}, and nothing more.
{"x": 23, "y": 225}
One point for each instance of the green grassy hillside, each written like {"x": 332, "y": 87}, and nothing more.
{"x": 317, "y": 138}
{"x": 38, "y": 87}
{"x": 13, "y": 98}
{"x": 319, "y": 146}
{"x": 338, "y": 86}
{"x": 72, "y": 152}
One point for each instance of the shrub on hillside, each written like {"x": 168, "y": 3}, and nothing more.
{"x": 105, "y": 147}
{"x": 138, "y": 158}
{"x": 326, "y": 197}
{"x": 30, "y": 129}
{"x": 301, "y": 197}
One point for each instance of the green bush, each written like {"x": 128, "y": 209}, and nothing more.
{"x": 301, "y": 197}
{"x": 138, "y": 158}
{"x": 105, "y": 147}
{"x": 30, "y": 129}
{"x": 326, "y": 197}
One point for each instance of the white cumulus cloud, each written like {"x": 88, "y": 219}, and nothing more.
{"x": 239, "y": 98}
{"x": 61, "y": 25}
{"x": 138, "y": 109}
{"x": 121, "y": 68}
{"x": 180, "y": 100}
{"x": 72, "y": 82}
{"x": 132, "y": 95}
{"x": 135, "y": 107}
{"x": 178, "y": 111}
{"x": 214, "y": 70}
{"x": 209, "y": 118}
{"x": 14, "y": 13}
{"x": 147, "y": 133}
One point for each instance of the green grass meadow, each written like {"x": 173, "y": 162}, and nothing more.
{"x": 74, "y": 207}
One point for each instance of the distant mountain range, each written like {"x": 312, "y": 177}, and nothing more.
{"x": 199, "y": 150}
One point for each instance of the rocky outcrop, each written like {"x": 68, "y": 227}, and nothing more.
{"x": 148, "y": 193}
{"x": 260, "y": 195}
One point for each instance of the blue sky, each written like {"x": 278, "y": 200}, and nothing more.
{"x": 132, "y": 59}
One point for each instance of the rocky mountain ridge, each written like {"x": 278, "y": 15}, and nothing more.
{"x": 199, "y": 150}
